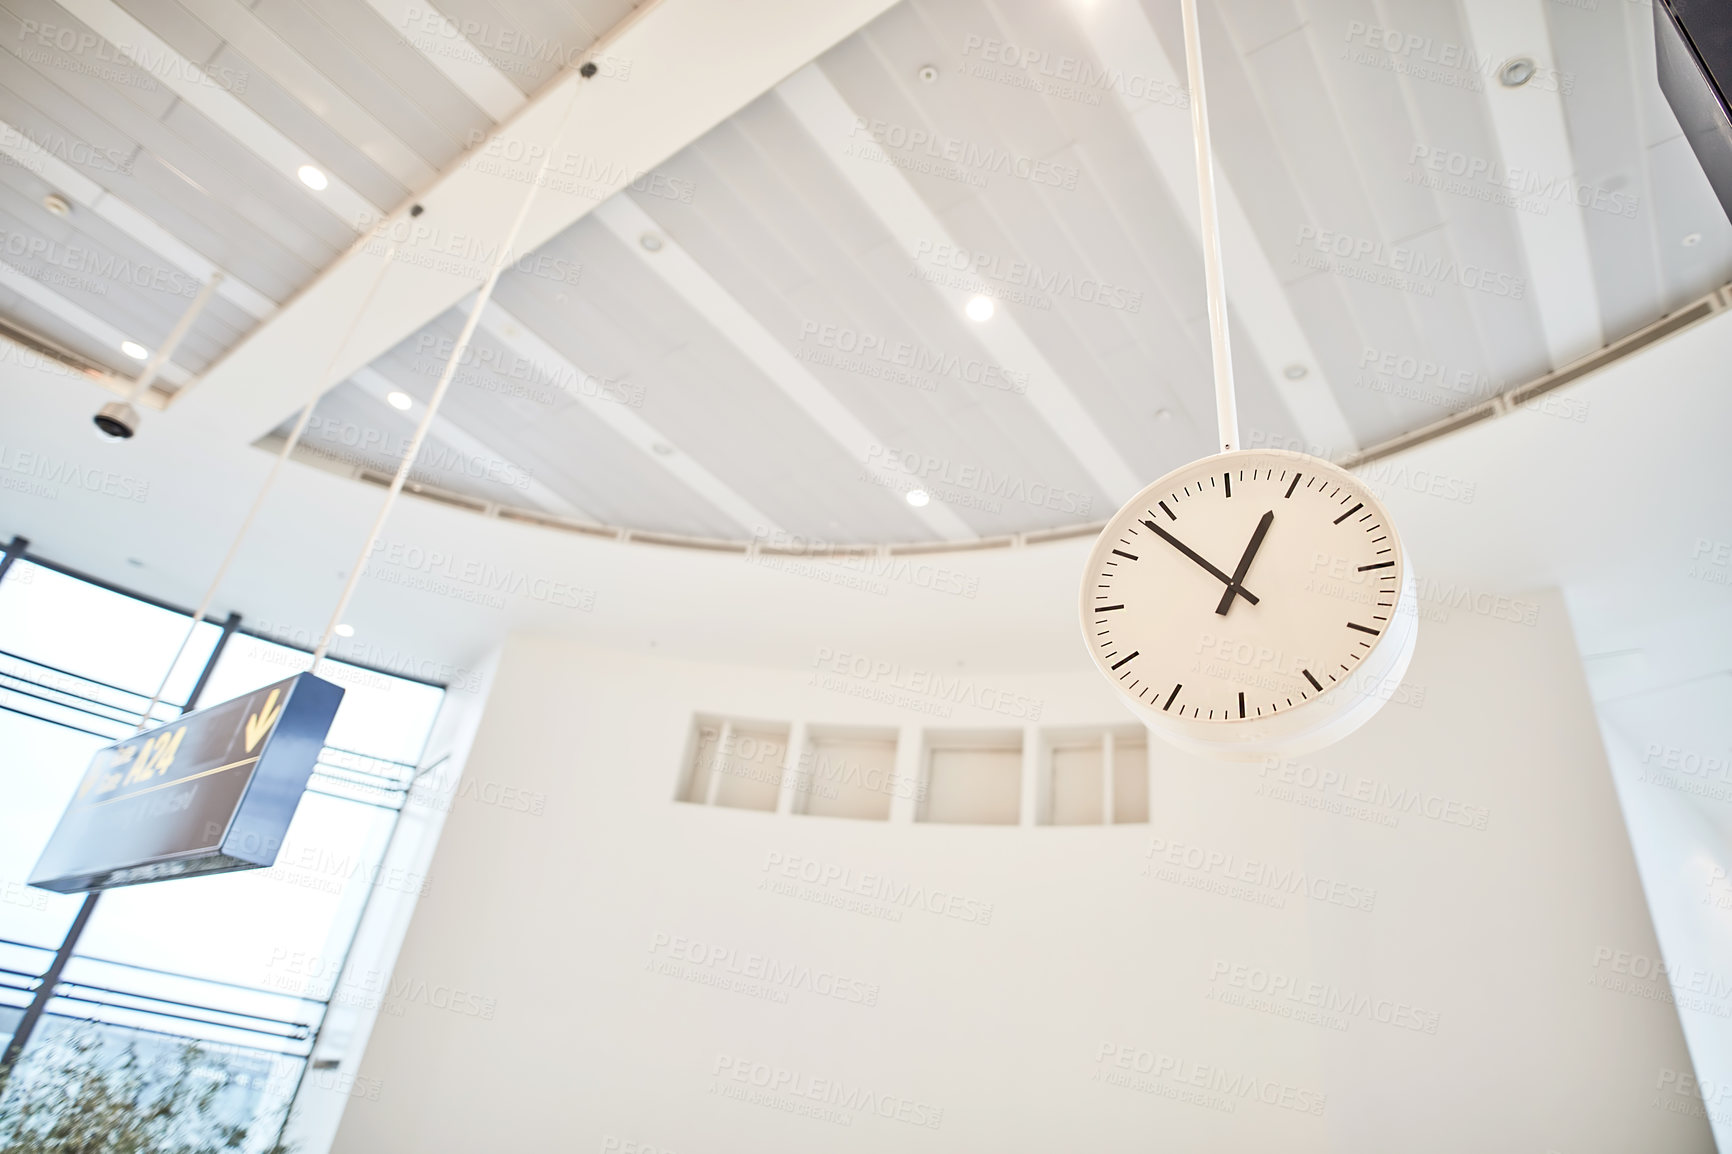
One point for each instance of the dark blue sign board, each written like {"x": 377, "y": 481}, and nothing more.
{"x": 212, "y": 792}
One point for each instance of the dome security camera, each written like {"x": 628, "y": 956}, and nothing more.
{"x": 117, "y": 420}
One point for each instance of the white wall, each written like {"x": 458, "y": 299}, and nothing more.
{"x": 525, "y": 1015}
{"x": 1671, "y": 757}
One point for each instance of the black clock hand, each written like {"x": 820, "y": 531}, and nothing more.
{"x": 1187, "y": 551}
{"x": 1245, "y": 563}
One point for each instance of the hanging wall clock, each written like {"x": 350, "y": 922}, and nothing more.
{"x": 1253, "y": 602}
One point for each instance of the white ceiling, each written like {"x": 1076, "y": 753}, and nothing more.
{"x": 708, "y": 388}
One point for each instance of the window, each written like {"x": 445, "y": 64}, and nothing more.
{"x": 244, "y": 963}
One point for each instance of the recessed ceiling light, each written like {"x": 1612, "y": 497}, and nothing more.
{"x": 57, "y": 205}
{"x": 134, "y": 350}
{"x": 1516, "y": 72}
{"x": 399, "y": 400}
{"x": 918, "y": 497}
{"x": 345, "y": 630}
{"x": 928, "y": 74}
{"x": 313, "y": 178}
{"x": 651, "y": 242}
{"x": 1295, "y": 372}
{"x": 1691, "y": 240}
{"x": 980, "y": 309}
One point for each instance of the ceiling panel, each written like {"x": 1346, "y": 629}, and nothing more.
{"x": 1372, "y": 178}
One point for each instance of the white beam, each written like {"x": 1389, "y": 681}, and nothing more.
{"x": 729, "y": 52}
{"x": 376, "y": 385}
{"x": 233, "y": 115}
{"x": 1531, "y": 133}
{"x": 825, "y": 114}
{"x": 69, "y": 182}
{"x": 680, "y": 272}
{"x": 81, "y": 319}
{"x": 515, "y": 335}
{"x": 448, "y": 50}
{"x": 1126, "y": 43}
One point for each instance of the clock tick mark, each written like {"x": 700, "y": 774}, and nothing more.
{"x": 1242, "y": 703}
{"x": 1350, "y": 512}
{"x": 1294, "y": 485}
{"x": 1227, "y": 478}
{"x": 1362, "y": 628}
{"x": 1107, "y": 608}
{"x": 1379, "y": 565}
{"x": 1171, "y": 696}
{"x": 1126, "y": 556}
{"x": 1315, "y": 684}
{"x": 1120, "y": 662}
{"x": 1165, "y": 510}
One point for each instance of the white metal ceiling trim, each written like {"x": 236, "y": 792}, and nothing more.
{"x": 1528, "y": 122}
{"x": 1510, "y": 401}
{"x": 1127, "y": 44}
{"x": 374, "y": 383}
{"x": 734, "y": 322}
{"x": 346, "y": 116}
{"x": 827, "y": 117}
{"x": 83, "y": 191}
{"x": 461, "y": 62}
{"x": 515, "y": 335}
{"x": 79, "y": 318}
{"x": 227, "y": 111}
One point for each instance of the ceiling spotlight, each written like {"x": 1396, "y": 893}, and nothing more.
{"x": 979, "y": 309}
{"x": 57, "y": 205}
{"x": 134, "y": 350}
{"x": 918, "y": 497}
{"x": 399, "y": 400}
{"x": 345, "y": 630}
{"x": 1295, "y": 372}
{"x": 651, "y": 242}
{"x": 313, "y": 178}
{"x": 1692, "y": 240}
{"x": 928, "y": 74}
{"x": 1516, "y": 72}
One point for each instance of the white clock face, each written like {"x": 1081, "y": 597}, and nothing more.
{"x": 1245, "y": 587}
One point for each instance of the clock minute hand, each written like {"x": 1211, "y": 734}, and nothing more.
{"x": 1245, "y": 562}
{"x": 1199, "y": 559}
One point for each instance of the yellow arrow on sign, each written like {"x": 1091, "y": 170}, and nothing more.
{"x": 260, "y": 723}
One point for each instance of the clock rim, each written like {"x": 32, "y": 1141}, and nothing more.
{"x": 1312, "y": 723}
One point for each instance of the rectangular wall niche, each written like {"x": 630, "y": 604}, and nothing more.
{"x": 973, "y": 777}
{"x": 737, "y": 764}
{"x": 846, "y": 772}
{"x": 1095, "y": 778}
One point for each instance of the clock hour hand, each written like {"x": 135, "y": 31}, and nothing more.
{"x": 1199, "y": 559}
{"x": 1245, "y": 563}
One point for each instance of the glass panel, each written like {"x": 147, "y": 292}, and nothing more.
{"x": 88, "y": 631}
{"x": 285, "y": 928}
{"x": 138, "y": 1090}
{"x": 381, "y": 715}
{"x": 40, "y": 769}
